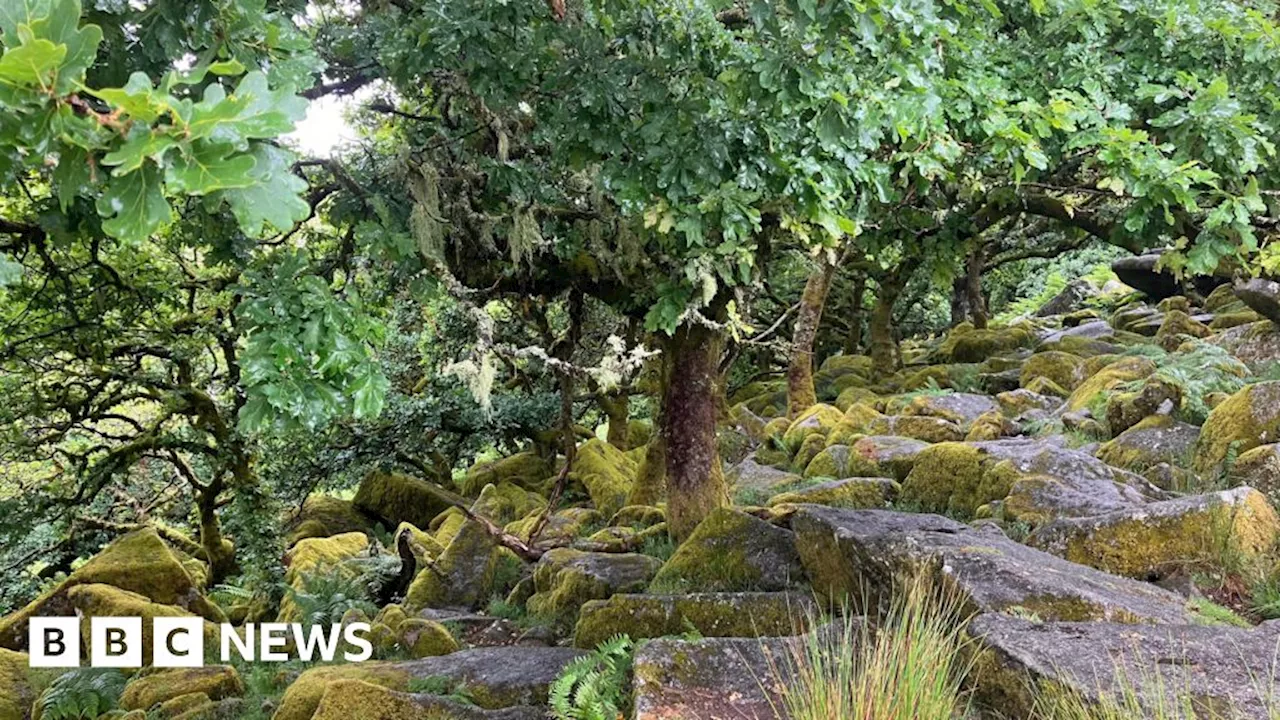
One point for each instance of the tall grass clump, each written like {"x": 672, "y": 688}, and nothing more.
{"x": 910, "y": 667}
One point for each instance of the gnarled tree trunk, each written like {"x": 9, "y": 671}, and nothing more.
{"x": 973, "y": 288}
{"x": 616, "y": 409}
{"x": 695, "y": 480}
{"x": 800, "y": 391}
{"x": 884, "y": 345}
{"x": 853, "y": 340}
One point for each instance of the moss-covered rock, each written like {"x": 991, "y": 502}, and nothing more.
{"x": 1226, "y": 321}
{"x": 731, "y": 551}
{"x": 1156, "y": 439}
{"x": 526, "y": 470}
{"x": 849, "y": 396}
{"x": 425, "y": 638}
{"x": 990, "y": 426}
{"x": 1249, "y": 418}
{"x": 832, "y": 462}
{"x": 810, "y": 448}
{"x": 883, "y": 456}
{"x": 507, "y": 502}
{"x": 948, "y": 478}
{"x": 1259, "y": 469}
{"x": 318, "y": 555}
{"x": 1127, "y": 408}
{"x": 847, "y": 493}
{"x": 1108, "y": 378}
{"x": 845, "y": 433}
{"x": 395, "y": 498}
{"x": 860, "y": 556}
{"x": 1255, "y": 344}
{"x": 817, "y": 420}
{"x": 747, "y": 614}
{"x": 564, "y": 579}
{"x": 463, "y": 575}
{"x": 90, "y": 601}
{"x": 325, "y": 515}
{"x": 1161, "y": 538}
{"x": 138, "y": 562}
{"x": 964, "y": 344}
{"x": 1177, "y": 326}
{"x": 1041, "y": 385}
{"x": 444, "y": 528}
{"x": 1020, "y": 401}
{"x": 606, "y": 473}
{"x": 963, "y": 409}
{"x": 19, "y": 684}
{"x": 920, "y": 427}
{"x": 1064, "y": 369}
{"x": 1222, "y": 299}
{"x": 215, "y": 682}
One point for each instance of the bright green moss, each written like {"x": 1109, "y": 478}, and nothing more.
{"x": 215, "y": 682}
{"x": 425, "y": 638}
{"x": 1247, "y": 419}
{"x": 1108, "y": 378}
{"x": 1064, "y": 369}
{"x": 817, "y": 420}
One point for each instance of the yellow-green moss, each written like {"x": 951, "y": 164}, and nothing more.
{"x": 563, "y": 582}
{"x": 849, "y": 396}
{"x": 1176, "y": 324}
{"x": 1064, "y": 369}
{"x": 215, "y": 682}
{"x": 316, "y": 555}
{"x": 1041, "y": 385}
{"x": 966, "y": 344}
{"x": 397, "y": 498}
{"x": 1247, "y": 419}
{"x": 1108, "y": 378}
{"x": 638, "y": 516}
{"x": 710, "y": 615}
{"x": 191, "y": 705}
{"x": 19, "y": 684}
{"x": 139, "y": 562}
{"x": 425, "y": 638}
{"x": 817, "y": 420}
{"x": 831, "y": 462}
{"x": 506, "y": 502}
{"x": 303, "y": 697}
{"x": 715, "y": 557}
{"x": 391, "y": 616}
{"x": 810, "y": 449}
{"x": 848, "y": 493}
{"x": 357, "y": 700}
{"x": 606, "y": 472}
{"x": 1222, "y": 299}
{"x": 990, "y": 425}
{"x": 462, "y": 576}
{"x": 447, "y": 525}
{"x": 845, "y": 433}
{"x": 324, "y": 515}
{"x": 90, "y": 601}
{"x": 945, "y": 478}
{"x": 526, "y": 470}
{"x": 1226, "y": 321}
{"x": 919, "y": 427}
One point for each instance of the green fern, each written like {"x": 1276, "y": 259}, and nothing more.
{"x": 594, "y": 687}
{"x": 82, "y": 694}
{"x": 326, "y": 596}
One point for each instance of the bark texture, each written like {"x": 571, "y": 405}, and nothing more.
{"x": 800, "y": 390}
{"x": 884, "y": 346}
{"x": 695, "y": 480}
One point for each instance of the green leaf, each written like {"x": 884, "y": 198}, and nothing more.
{"x": 72, "y": 175}
{"x": 206, "y": 167}
{"x": 276, "y": 198}
{"x": 33, "y": 63}
{"x": 135, "y": 205}
{"x": 138, "y": 99}
{"x": 20, "y": 12}
{"x": 227, "y": 67}
{"x": 62, "y": 27}
{"x": 143, "y": 144}
{"x": 253, "y": 111}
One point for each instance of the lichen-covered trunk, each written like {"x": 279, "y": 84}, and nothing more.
{"x": 800, "y": 391}
{"x": 853, "y": 339}
{"x": 884, "y": 347}
{"x": 218, "y": 551}
{"x": 695, "y": 480}
{"x": 616, "y": 410}
{"x": 959, "y": 300}
{"x": 973, "y": 289}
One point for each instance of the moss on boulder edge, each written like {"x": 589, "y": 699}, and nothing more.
{"x": 732, "y": 551}
{"x": 1160, "y": 538}
{"x": 138, "y": 562}
{"x": 856, "y": 556}
{"x": 396, "y": 498}
{"x": 564, "y": 579}
{"x": 1247, "y": 419}
{"x": 215, "y": 682}
{"x": 746, "y": 614}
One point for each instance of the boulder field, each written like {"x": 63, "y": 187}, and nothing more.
{"x": 1094, "y": 485}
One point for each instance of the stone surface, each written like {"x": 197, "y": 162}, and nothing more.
{"x": 215, "y": 682}
{"x": 1224, "y": 672}
{"x": 1262, "y": 296}
{"x": 1164, "y": 538}
{"x": 847, "y": 493}
{"x": 498, "y": 677}
{"x": 1139, "y": 272}
{"x": 564, "y": 579}
{"x": 732, "y": 551}
{"x": 746, "y": 614}
{"x": 856, "y": 555}
{"x": 884, "y": 456}
{"x": 712, "y": 679}
{"x": 1254, "y": 344}
{"x": 1249, "y": 418}
{"x": 1155, "y": 440}
{"x": 358, "y": 700}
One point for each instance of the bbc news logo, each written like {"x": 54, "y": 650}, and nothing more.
{"x": 179, "y": 642}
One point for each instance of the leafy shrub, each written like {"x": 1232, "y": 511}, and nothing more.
{"x": 328, "y": 595}
{"x": 594, "y": 687}
{"x": 82, "y": 694}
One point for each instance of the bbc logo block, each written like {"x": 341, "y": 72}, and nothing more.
{"x": 179, "y": 642}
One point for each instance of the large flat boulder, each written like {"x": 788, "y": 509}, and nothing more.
{"x": 858, "y": 555}
{"x": 494, "y": 677}
{"x": 743, "y": 614}
{"x": 1162, "y": 538}
{"x": 1222, "y": 672}
{"x": 712, "y": 678}
{"x": 732, "y": 551}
